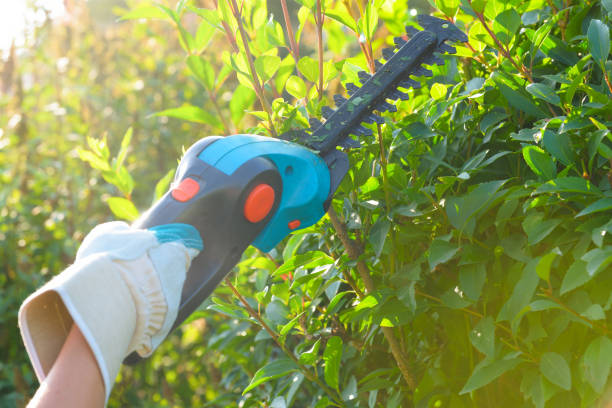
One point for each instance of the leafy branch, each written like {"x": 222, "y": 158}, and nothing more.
{"x": 312, "y": 376}
{"x": 354, "y": 252}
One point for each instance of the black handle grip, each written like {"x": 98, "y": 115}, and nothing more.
{"x": 217, "y": 211}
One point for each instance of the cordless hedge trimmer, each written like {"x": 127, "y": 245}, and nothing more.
{"x": 246, "y": 190}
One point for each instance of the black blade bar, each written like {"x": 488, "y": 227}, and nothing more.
{"x": 350, "y": 114}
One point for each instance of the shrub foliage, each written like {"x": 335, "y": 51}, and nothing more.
{"x": 465, "y": 258}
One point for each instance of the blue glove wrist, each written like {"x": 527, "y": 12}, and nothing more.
{"x": 185, "y": 234}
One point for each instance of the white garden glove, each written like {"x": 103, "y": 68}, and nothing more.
{"x": 123, "y": 292}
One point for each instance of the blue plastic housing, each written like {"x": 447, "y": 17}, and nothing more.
{"x": 305, "y": 176}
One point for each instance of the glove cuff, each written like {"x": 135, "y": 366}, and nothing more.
{"x": 76, "y": 296}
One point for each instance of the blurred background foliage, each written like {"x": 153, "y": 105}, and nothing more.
{"x": 464, "y": 263}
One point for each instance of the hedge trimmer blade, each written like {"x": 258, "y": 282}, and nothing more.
{"x": 376, "y": 89}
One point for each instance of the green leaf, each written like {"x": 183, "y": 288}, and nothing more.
{"x": 266, "y": 66}
{"x": 440, "y": 252}
{"x": 342, "y": 16}
{"x": 243, "y": 98}
{"x": 463, "y": 211}
{"x": 228, "y": 309}
{"x": 367, "y": 302}
{"x": 560, "y": 146}
{"x": 125, "y": 144}
{"x": 483, "y": 336}
{"x": 438, "y": 91}
{"x": 544, "y": 92}
{"x": 539, "y": 162}
{"x": 520, "y": 102}
{"x": 486, "y": 372}
{"x": 275, "y": 369}
{"x": 332, "y": 357}
{"x": 287, "y": 327}
{"x": 537, "y": 228}
{"x": 120, "y": 178}
{"x": 597, "y": 360}
{"x": 310, "y": 356}
{"x": 603, "y": 204}
{"x": 568, "y": 185}
{"x": 309, "y": 68}
{"x": 202, "y": 70}
{"x": 307, "y": 260}
{"x": 471, "y": 279}
{"x": 556, "y": 370}
{"x": 598, "y": 35}
{"x": 162, "y": 185}
{"x": 506, "y": 24}
{"x": 123, "y": 208}
{"x": 540, "y": 35}
{"x": 575, "y": 276}
{"x": 597, "y": 259}
{"x": 521, "y": 294}
{"x": 543, "y": 267}
{"x": 203, "y": 36}
{"x": 336, "y": 303}
{"x": 449, "y": 7}
{"x": 95, "y": 161}
{"x": 378, "y": 234}
{"x": 277, "y": 312}
{"x": 478, "y": 5}
{"x": 193, "y": 114}
{"x": 594, "y": 312}
{"x": 296, "y": 87}
{"x": 454, "y": 299}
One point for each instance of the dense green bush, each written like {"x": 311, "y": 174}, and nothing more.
{"x": 464, "y": 261}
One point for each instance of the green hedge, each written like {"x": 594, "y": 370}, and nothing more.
{"x": 465, "y": 259}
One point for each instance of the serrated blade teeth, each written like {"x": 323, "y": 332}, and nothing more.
{"x": 378, "y": 65}
{"x": 411, "y": 31}
{"x": 422, "y": 71}
{"x": 371, "y": 118}
{"x": 399, "y": 42}
{"x": 434, "y": 59}
{"x": 395, "y": 94}
{"x": 388, "y": 53}
{"x": 351, "y": 88}
{"x": 375, "y": 118}
{"x": 361, "y": 131}
{"x": 326, "y": 112}
{"x": 363, "y": 76}
{"x": 339, "y": 100}
{"x": 350, "y": 143}
{"x": 409, "y": 83}
{"x": 447, "y": 48}
{"x": 386, "y": 106}
{"x": 314, "y": 123}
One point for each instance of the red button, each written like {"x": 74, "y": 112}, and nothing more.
{"x": 186, "y": 190}
{"x": 294, "y": 224}
{"x": 259, "y": 203}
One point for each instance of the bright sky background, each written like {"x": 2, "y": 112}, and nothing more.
{"x": 15, "y": 17}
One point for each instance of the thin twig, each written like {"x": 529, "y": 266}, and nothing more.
{"x": 255, "y": 78}
{"x": 307, "y": 373}
{"x": 607, "y": 78}
{"x": 293, "y": 47}
{"x": 319, "y": 18}
{"x": 353, "y": 251}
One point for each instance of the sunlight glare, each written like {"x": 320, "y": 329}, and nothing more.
{"x": 15, "y": 16}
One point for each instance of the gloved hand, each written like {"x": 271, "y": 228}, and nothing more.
{"x": 123, "y": 292}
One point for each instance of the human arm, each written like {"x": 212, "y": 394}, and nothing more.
{"x": 122, "y": 293}
{"x": 74, "y": 380}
